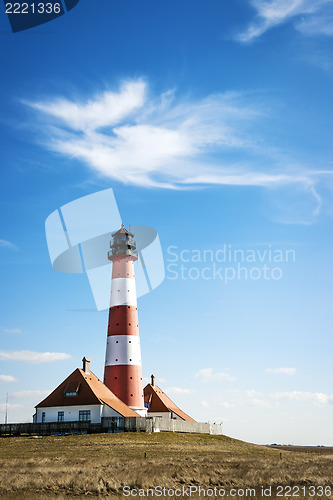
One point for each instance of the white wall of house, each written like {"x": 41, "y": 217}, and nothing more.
{"x": 109, "y": 412}
{"x": 71, "y": 413}
{"x": 142, "y": 412}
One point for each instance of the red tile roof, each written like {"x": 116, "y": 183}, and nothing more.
{"x": 89, "y": 391}
{"x": 122, "y": 230}
{"x": 160, "y": 402}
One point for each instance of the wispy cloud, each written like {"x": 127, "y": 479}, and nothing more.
{"x": 253, "y": 394}
{"x": 260, "y": 403}
{"x": 321, "y": 24}
{"x": 36, "y": 394}
{"x": 178, "y": 390}
{"x": 105, "y": 110}
{"x": 225, "y": 404}
{"x": 316, "y": 398}
{"x": 33, "y": 357}
{"x": 10, "y": 406}
{"x": 281, "y": 371}
{"x": 133, "y": 137}
{"x": 210, "y": 375}
{"x": 162, "y": 141}
{"x": 7, "y": 244}
{"x": 5, "y": 379}
{"x": 12, "y": 330}
{"x": 312, "y": 17}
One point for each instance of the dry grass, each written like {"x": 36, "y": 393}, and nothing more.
{"x": 100, "y": 465}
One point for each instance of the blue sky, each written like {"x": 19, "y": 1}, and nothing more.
{"x": 212, "y": 122}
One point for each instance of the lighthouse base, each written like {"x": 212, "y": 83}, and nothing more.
{"x": 142, "y": 412}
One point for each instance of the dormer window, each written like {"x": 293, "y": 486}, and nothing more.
{"x": 71, "y": 389}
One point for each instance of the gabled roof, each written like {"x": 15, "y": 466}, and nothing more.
{"x": 160, "y": 402}
{"x": 89, "y": 391}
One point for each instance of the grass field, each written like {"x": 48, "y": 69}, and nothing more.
{"x": 101, "y": 465}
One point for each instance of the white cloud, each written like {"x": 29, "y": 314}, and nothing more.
{"x": 282, "y": 371}
{"x": 12, "y": 330}
{"x": 7, "y": 244}
{"x": 205, "y": 404}
{"x": 151, "y": 141}
{"x": 32, "y": 357}
{"x": 177, "y": 390}
{"x": 316, "y": 398}
{"x": 253, "y": 394}
{"x": 105, "y": 110}
{"x": 224, "y": 404}
{"x": 271, "y": 13}
{"x": 316, "y": 25}
{"x": 10, "y": 406}
{"x": 133, "y": 137}
{"x": 209, "y": 375}
{"x": 4, "y": 379}
{"x": 260, "y": 403}
{"x": 36, "y": 394}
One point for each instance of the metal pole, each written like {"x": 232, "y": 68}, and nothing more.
{"x": 6, "y": 414}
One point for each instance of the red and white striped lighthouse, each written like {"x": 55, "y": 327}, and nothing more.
{"x": 123, "y": 372}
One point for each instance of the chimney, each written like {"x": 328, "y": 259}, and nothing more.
{"x": 86, "y": 363}
{"x": 153, "y": 380}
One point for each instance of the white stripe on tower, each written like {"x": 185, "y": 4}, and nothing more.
{"x": 123, "y": 292}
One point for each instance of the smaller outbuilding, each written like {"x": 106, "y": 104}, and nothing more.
{"x": 159, "y": 404}
{"x": 82, "y": 396}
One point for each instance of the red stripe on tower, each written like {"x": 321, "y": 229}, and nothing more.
{"x": 123, "y": 373}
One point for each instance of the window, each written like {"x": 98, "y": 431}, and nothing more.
{"x": 43, "y": 416}
{"x": 61, "y": 416}
{"x": 71, "y": 389}
{"x": 84, "y": 415}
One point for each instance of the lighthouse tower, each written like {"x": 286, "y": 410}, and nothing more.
{"x": 123, "y": 373}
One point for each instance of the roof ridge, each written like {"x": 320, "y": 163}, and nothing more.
{"x": 166, "y": 401}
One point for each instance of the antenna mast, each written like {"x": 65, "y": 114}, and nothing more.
{"x": 6, "y": 414}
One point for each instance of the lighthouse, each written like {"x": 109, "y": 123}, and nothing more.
{"x": 123, "y": 372}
